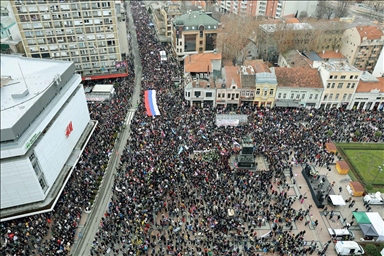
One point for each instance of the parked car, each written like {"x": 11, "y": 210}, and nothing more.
{"x": 374, "y": 198}
{"x": 341, "y": 234}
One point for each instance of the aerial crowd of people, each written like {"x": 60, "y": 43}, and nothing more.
{"x": 175, "y": 192}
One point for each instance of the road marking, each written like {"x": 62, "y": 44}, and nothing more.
{"x": 130, "y": 117}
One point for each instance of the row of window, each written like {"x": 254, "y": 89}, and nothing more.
{"x": 337, "y": 96}
{"x": 343, "y": 77}
{"x": 340, "y": 85}
{"x": 298, "y": 96}
{"x": 38, "y": 172}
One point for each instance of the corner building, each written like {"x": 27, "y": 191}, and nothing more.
{"x": 43, "y": 116}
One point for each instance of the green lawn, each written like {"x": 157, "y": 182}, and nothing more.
{"x": 365, "y": 159}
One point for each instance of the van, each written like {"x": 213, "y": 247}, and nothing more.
{"x": 163, "y": 56}
{"x": 348, "y": 248}
{"x": 341, "y": 234}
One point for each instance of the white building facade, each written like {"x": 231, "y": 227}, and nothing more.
{"x": 40, "y": 126}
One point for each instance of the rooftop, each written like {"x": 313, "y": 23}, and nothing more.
{"x": 369, "y": 86}
{"x": 292, "y": 20}
{"x": 232, "y": 76}
{"x": 293, "y": 26}
{"x": 371, "y": 32}
{"x": 330, "y": 55}
{"x": 298, "y": 77}
{"x": 296, "y": 60}
{"x": 339, "y": 66}
{"x": 259, "y": 66}
{"x": 192, "y": 20}
{"x": 201, "y": 62}
{"x": 28, "y": 79}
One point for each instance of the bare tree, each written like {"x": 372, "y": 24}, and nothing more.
{"x": 342, "y": 8}
{"x": 234, "y": 35}
{"x": 377, "y": 6}
{"x": 324, "y": 9}
{"x": 303, "y": 14}
{"x": 327, "y": 35}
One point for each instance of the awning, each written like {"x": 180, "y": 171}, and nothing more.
{"x": 337, "y": 200}
{"x": 368, "y": 230}
{"x": 286, "y": 104}
{"x": 361, "y": 218}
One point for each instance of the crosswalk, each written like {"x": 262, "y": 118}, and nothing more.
{"x": 131, "y": 113}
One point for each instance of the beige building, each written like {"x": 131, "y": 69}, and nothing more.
{"x": 362, "y": 46}
{"x": 369, "y": 93}
{"x": 340, "y": 80}
{"x": 194, "y": 32}
{"x": 163, "y": 20}
{"x": 85, "y": 32}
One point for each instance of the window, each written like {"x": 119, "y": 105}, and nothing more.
{"x": 43, "y": 184}
{"x": 344, "y": 96}
{"x": 316, "y": 96}
{"x": 279, "y": 96}
{"x": 348, "y": 85}
{"x": 342, "y": 77}
{"x": 284, "y": 95}
{"x": 350, "y": 77}
{"x": 208, "y": 94}
{"x": 325, "y": 97}
{"x": 292, "y": 95}
{"x": 265, "y": 93}
{"x": 310, "y": 96}
{"x": 333, "y": 85}
{"x": 229, "y": 96}
{"x": 340, "y": 85}
{"x": 353, "y": 85}
{"x": 337, "y": 96}
{"x": 356, "y": 76}
{"x": 258, "y": 91}
{"x": 330, "y": 77}
{"x": 349, "y": 96}
{"x": 335, "y": 77}
{"x": 271, "y": 92}
{"x": 330, "y": 96}
{"x": 298, "y": 96}
{"x": 329, "y": 85}
{"x": 302, "y": 96}
{"x": 237, "y": 95}
{"x": 197, "y": 94}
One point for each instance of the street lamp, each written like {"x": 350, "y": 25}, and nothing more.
{"x": 377, "y": 174}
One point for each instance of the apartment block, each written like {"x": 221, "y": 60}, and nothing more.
{"x": 362, "y": 46}
{"x": 269, "y": 8}
{"x": 85, "y": 32}
{"x": 10, "y": 34}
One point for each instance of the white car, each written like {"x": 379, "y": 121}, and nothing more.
{"x": 374, "y": 198}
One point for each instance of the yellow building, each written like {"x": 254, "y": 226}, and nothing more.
{"x": 340, "y": 80}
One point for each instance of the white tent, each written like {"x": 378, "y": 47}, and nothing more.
{"x": 378, "y": 224}
{"x": 382, "y": 252}
{"x": 337, "y": 200}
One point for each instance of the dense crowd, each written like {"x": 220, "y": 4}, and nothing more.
{"x": 170, "y": 200}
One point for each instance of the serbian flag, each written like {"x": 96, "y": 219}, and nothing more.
{"x": 150, "y": 103}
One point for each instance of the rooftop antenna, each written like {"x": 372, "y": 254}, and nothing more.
{"x": 22, "y": 74}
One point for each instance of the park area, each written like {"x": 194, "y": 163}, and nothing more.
{"x": 366, "y": 161}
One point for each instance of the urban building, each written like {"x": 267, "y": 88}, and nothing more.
{"x": 369, "y": 94}
{"x": 340, "y": 80}
{"x": 266, "y": 82}
{"x": 294, "y": 59}
{"x": 298, "y": 87}
{"x": 268, "y": 8}
{"x": 194, "y": 32}
{"x": 10, "y": 34}
{"x": 379, "y": 68}
{"x": 85, "y": 32}
{"x": 362, "y": 46}
{"x": 163, "y": 17}
{"x": 44, "y": 126}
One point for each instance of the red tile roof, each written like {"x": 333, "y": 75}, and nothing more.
{"x": 292, "y": 20}
{"x": 330, "y": 55}
{"x": 259, "y": 66}
{"x": 371, "y": 32}
{"x": 369, "y": 86}
{"x": 298, "y": 77}
{"x": 232, "y": 74}
{"x": 200, "y": 62}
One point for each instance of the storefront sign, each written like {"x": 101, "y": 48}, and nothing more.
{"x": 69, "y": 129}
{"x": 32, "y": 140}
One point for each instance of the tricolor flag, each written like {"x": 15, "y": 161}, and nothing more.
{"x": 150, "y": 103}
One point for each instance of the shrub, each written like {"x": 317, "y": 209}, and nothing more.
{"x": 330, "y": 133}
{"x": 372, "y": 250}
{"x": 378, "y": 134}
{"x": 357, "y": 133}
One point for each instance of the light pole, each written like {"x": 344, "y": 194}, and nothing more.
{"x": 377, "y": 174}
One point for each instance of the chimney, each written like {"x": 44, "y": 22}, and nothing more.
{"x": 337, "y": 50}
